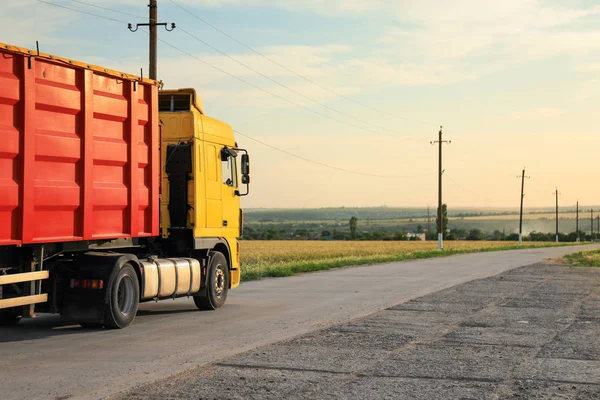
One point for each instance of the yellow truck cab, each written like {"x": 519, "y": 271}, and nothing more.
{"x": 200, "y": 192}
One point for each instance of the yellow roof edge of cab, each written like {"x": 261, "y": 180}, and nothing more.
{"x": 68, "y": 61}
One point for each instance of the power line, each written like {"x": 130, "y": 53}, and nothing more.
{"x": 108, "y": 9}
{"x": 81, "y": 11}
{"x": 238, "y": 132}
{"x": 287, "y": 87}
{"x": 292, "y": 71}
{"x": 265, "y": 90}
{"x": 268, "y": 78}
{"x": 326, "y": 165}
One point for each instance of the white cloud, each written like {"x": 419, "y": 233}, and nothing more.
{"x": 21, "y": 23}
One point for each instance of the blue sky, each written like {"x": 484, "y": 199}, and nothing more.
{"x": 515, "y": 83}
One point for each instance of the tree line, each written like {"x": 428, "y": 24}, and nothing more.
{"x": 273, "y": 232}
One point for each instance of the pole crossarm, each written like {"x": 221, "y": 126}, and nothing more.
{"x": 152, "y": 24}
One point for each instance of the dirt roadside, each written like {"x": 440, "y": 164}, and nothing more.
{"x": 529, "y": 333}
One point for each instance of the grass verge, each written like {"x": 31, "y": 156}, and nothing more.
{"x": 268, "y": 260}
{"x": 589, "y": 258}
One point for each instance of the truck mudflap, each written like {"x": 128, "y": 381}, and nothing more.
{"x": 86, "y": 289}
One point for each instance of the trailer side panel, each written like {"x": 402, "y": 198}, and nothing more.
{"x": 78, "y": 153}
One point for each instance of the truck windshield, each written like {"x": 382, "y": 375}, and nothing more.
{"x": 174, "y": 102}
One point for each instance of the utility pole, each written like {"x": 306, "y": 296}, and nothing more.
{"x": 523, "y": 176}
{"x": 592, "y": 225}
{"x": 152, "y": 25}
{"x": 440, "y": 224}
{"x": 577, "y": 222}
{"x": 557, "y": 215}
{"x": 152, "y": 20}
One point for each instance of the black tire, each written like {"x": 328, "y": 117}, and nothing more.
{"x": 217, "y": 285}
{"x": 9, "y": 317}
{"x": 123, "y": 298}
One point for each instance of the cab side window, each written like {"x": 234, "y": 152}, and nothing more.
{"x": 229, "y": 169}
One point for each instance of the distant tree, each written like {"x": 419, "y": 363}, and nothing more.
{"x": 337, "y": 235}
{"x": 458, "y": 234}
{"x": 353, "y": 223}
{"x": 419, "y": 228}
{"x": 496, "y": 235}
{"x": 326, "y": 233}
{"x": 513, "y": 237}
{"x": 444, "y": 220}
{"x": 476, "y": 234}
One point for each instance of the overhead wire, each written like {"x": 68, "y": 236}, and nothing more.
{"x": 81, "y": 11}
{"x": 191, "y": 35}
{"x": 238, "y": 132}
{"x": 294, "y": 90}
{"x": 311, "y": 81}
{"x": 327, "y": 165}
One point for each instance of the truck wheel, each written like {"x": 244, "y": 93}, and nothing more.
{"x": 217, "y": 283}
{"x": 9, "y": 317}
{"x": 123, "y": 298}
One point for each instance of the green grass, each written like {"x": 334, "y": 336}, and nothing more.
{"x": 589, "y": 258}
{"x": 283, "y": 265}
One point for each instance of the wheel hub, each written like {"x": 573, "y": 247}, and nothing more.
{"x": 219, "y": 282}
{"x": 125, "y": 293}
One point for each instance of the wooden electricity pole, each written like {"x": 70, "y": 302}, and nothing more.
{"x": 592, "y": 224}
{"x": 556, "y": 193}
{"x": 522, "y": 176}
{"x": 440, "y": 224}
{"x": 152, "y": 25}
{"x": 577, "y": 222}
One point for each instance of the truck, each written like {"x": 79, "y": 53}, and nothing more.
{"x": 113, "y": 192}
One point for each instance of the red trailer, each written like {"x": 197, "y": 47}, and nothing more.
{"x": 78, "y": 152}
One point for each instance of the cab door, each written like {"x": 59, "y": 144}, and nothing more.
{"x": 229, "y": 188}
{"x": 214, "y": 206}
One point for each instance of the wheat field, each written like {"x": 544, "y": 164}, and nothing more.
{"x": 275, "y": 258}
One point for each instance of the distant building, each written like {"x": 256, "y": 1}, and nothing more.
{"x": 420, "y": 236}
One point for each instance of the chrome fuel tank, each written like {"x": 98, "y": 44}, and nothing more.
{"x": 168, "y": 277}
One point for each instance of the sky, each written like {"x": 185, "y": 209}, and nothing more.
{"x": 363, "y": 86}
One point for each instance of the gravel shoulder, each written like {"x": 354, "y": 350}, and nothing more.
{"x": 529, "y": 333}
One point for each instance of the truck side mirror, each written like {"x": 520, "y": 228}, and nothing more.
{"x": 245, "y": 172}
{"x": 245, "y": 164}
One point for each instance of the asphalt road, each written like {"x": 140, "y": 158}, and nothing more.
{"x": 46, "y": 358}
{"x": 528, "y": 333}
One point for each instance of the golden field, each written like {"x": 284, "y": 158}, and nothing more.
{"x": 283, "y": 258}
